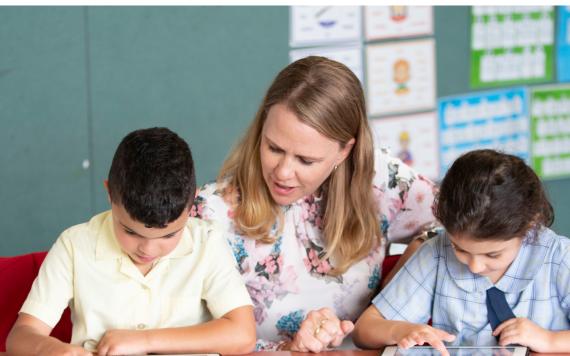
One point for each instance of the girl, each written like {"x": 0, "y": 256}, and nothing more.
{"x": 498, "y": 275}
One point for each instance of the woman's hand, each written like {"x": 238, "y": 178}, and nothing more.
{"x": 524, "y": 332}
{"x": 319, "y": 331}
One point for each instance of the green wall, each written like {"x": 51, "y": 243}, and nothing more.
{"x": 75, "y": 80}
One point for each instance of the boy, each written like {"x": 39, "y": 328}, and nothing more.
{"x": 142, "y": 277}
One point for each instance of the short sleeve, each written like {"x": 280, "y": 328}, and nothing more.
{"x": 53, "y": 287}
{"x": 405, "y": 197}
{"x": 409, "y": 295}
{"x": 224, "y": 289}
{"x": 563, "y": 280}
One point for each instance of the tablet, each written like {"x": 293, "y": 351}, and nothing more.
{"x": 458, "y": 351}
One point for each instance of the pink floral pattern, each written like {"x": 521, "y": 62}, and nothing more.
{"x": 288, "y": 278}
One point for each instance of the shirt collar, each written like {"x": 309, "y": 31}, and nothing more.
{"x": 518, "y": 276}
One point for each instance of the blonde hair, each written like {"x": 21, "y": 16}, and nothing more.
{"x": 328, "y": 97}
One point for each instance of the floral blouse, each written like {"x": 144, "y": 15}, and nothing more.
{"x": 286, "y": 280}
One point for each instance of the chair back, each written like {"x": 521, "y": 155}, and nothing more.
{"x": 17, "y": 274}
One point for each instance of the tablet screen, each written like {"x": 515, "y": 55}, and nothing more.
{"x": 460, "y": 351}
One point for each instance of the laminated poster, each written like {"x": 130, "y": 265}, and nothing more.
{"x": 563, "y": 45}
{"x": 511, "y": 45}
{"x": 495, "y": 119}
{"x": 411, "y": 138}
{"x": 350, "y": 56}
{"x": 550, "y": 131}
{"x": 320, "y": 25}
{"x": 382, "y": 22}
{"x": 400, "y": 77}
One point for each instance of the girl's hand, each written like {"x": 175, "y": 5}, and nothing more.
{"x": 123, "y": 342}
{"x": 419, "y": 334}
{"x": 320, "y": 330}
{"x": 523, "y": 332}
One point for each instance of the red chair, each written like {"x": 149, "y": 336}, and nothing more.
{"x": 16, "y": 277}
{"x": 389, "y": 263}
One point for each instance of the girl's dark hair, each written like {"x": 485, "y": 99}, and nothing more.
{"x": 152, "y": 176}
{"x": 489, "y": 194}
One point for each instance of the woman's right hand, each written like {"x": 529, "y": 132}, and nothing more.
{"x": 320, "y": 330}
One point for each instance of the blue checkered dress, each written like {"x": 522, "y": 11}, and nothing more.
{"x": 434, "y": 284}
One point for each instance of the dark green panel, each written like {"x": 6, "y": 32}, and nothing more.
{"x": 43, "y": 139}
{"x": 451, "y": 27}
{"x": 201, "y": 71}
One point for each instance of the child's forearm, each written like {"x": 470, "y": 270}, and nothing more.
{"x": 373, "y": 331}
{"x": 232, "y": 334}
{"x": 25, "y": 340}
{"x": 560, "y": 341}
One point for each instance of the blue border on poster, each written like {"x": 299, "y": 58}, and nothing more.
{"x": 475, "y": 99}
{"x": 563, "y": 44}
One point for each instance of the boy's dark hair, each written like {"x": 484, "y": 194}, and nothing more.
{"x": 152, "y": 176}
{"x": 488, "y": 194}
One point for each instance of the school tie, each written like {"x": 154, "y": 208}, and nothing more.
{"x": 498, "y": 309}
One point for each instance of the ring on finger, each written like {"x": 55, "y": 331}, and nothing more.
{"x": 317, "y": 330}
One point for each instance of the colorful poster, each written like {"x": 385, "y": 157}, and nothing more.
{"x": 381, "y": 22}
{"x": 495, "y": 119}
{"x": 550, "y": 131}
{"x": 400, "y": 77}
{"x": 563, "y": 45}
{"x": 411, "y": 138}
{"x": 511, "y": 45}
{"x": 350, "y": 56}
{"x": 318, "y": 25}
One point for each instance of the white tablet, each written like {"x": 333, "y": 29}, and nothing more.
{"x": 458, "y": 351}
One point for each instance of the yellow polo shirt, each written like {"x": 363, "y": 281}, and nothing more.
{"x": 87, "y": 270}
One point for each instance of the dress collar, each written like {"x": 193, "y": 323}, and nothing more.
{"x": 521, "y": 272}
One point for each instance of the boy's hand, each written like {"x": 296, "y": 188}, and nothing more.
{"x": 419, "y": 334}
{"x": 320, "y": 330}
{"x": 523, "y": 332}
{"x": 64, "y": 349}
{"x": 123, "y": 342}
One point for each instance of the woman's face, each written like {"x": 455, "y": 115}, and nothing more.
{"x": 295, "y": 158}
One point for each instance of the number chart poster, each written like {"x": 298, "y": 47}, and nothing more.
{"x": 550, "y": 131}
{"x": 412, "y": 138}
{"x": 382, "y": 22}
{"x": 400, "y": 77}
{"x": 319, "y": 25}
{"x": 497, "y": 119}
{"x": 511, "y": 45}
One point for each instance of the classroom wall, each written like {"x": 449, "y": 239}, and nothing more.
{"x": 75, "y": 80}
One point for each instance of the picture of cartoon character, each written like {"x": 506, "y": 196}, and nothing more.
{"x": 401, "y": 76}
{"x": 405, "y": 154}
{"x": 398, "y": 13}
